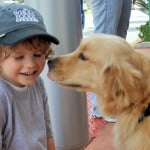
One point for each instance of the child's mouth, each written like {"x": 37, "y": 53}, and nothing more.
{"x": 28, "y": 73}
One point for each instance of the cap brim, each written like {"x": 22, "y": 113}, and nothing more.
{"x": 22, "y": 34}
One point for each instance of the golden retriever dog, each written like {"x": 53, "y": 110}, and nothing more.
{"x": 119, "y": 76}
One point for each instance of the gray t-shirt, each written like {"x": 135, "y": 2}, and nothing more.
{"x": 24, "y": 117}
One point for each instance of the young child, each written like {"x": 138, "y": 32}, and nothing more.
{"x": 24, "y": 47}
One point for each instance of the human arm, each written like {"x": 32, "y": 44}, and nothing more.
{"x": 50, "y": 139}
{"x": 3, "y": 114}
{"x": 50, "y": 144}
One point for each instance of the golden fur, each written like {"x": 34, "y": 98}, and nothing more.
{"x": 120, "y": 77}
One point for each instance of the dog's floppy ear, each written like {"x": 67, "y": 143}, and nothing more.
{"x": 123, "y": 82}
{"x": 131, "y": 78}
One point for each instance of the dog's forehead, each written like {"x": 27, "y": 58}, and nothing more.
{"x": 95, "y": 43}
{"x": 100, "y": 39}
{"x": 103, "y": 41}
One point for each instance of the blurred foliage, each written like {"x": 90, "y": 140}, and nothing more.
{"x": 144, "y": 33}
{"x": 20, "y": 1}
{"x": 143, "y": 5}
{"x": 88, "y": 6}
{"x": 144, "y": 30}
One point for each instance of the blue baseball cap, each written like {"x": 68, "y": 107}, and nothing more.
{"x": 19, "y": 22}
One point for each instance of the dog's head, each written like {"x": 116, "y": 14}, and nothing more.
{"x": 80, "y": 69}
{"x": 103, "y": 64}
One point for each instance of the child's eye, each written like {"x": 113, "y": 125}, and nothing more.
{"x": 37, "y": 55}
{"x": 19, "y": 57}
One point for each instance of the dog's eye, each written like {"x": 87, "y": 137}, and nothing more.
{"x": 82, "y": 57}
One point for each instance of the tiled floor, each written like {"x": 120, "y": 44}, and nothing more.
{"x": 104, "y": 139}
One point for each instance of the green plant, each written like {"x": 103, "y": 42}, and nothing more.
{"x": 21, "y": 1}
{"x": 144, "y": 30}
{"x": 143, "y": 5}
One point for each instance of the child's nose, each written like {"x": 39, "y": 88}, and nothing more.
{"x": 30, "y": 62}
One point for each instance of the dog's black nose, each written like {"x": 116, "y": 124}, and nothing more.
{"x": 50, "y": 64}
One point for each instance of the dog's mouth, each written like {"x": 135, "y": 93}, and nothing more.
{"x": 71, "y": 85}
{"x": 77, "y": 87}
{"x": 67, "y": 84}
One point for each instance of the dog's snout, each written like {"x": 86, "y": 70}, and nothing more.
{"x": 50, "y": 64}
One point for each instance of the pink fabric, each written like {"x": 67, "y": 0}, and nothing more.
{"x": 95, "y": 124}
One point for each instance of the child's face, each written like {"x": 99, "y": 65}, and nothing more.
{"x": 23, "y": 65}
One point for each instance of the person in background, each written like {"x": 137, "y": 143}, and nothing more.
{"x": 24, "y": 47}
{"x": 110, "y": 17}
{"x": 82, "y": 14}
